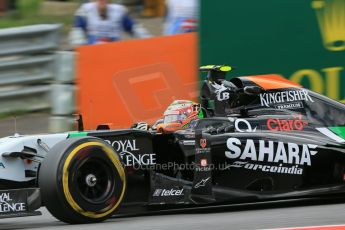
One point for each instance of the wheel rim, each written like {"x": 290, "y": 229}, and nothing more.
{"x": 94, "y": 180}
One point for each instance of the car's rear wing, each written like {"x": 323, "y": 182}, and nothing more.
{"x": 215, "y": 72}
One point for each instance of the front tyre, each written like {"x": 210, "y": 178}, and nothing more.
{"x": 82, "y": 180}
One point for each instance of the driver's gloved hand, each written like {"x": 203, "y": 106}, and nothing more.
{"x": 211, "y": 130}
{"x": 140, "y": 126}
{"x": 229, "y": 128}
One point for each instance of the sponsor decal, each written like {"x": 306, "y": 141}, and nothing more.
{"x": 267, "y": 99}
{"x": 7, "y": 204}
{"x": 296, "y": 123}
{"x": 125, "y": 145}
{"x": 221, "y": 92}
{"x": 126, "y": 148}
{"x": 269, "y": 151}
{"x": 203, "y": 162}
{"x": 202, "y": 183}
{"x": 2, "y": 165}
{"x": 203, "y": 143}
{"x": 204, "y": 149}
{"x": 168, "y": 192}
{"x": 296, "y": 105}
{"x": 202, "y": 169}
{"x": 203, "y": 166}
{"x": 268, "y": 168}
{"x": 242, "y": 125}
{"x": 188, "y": 142}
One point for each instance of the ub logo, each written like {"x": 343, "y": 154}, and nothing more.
{"x": 330, "y": 15}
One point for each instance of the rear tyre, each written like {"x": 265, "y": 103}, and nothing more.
{"x": 82, "y": 180}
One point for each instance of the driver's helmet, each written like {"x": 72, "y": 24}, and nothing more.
{"x": 179, "y": 115}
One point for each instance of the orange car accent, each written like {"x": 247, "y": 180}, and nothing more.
{"x": 168, "y": 128}
{"x": 272, "y": 81}
{"x": 172, "y": 127}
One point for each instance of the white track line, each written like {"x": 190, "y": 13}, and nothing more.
{"x": 308, "y": 227}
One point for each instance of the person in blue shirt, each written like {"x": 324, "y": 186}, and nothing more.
{"x": 102, "y": 22}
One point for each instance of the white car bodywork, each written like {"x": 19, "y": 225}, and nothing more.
{"x": 13, "y": 169}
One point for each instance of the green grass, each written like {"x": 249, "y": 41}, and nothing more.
{"x": 66, "y": 21}
{"x": 12, "y": 21}
{"x": 28, "y": 13}
{"x": 19, "y": 113}
{"x": 12, "y": 114}
{"x": 28, "y": 7}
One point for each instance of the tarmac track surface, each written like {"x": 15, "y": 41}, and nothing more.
{"x": 271, "y": 216}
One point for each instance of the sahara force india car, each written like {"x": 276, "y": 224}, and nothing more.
{"x": 261, "y": 138}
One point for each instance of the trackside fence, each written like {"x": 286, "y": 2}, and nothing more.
{"x": 34, "y": 75}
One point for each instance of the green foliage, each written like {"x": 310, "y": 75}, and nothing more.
{"x": 13, "y": 114}
{"x": 28, "y": 13}
{"x": 28, "y": 7}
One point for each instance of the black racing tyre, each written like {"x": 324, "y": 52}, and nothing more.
{"x": 82, "y": 180}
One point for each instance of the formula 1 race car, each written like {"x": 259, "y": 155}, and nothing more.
{"x": 261, "y": 138}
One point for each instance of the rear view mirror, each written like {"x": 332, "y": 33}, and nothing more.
{"x": 252, "y": 90}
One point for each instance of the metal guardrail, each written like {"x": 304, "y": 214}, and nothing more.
{"x": 29, "y": 39}
{"x": 25, "y": 99}
{"x": 27, "y": 70}
{"x": 34, "y": 75}
{"x": 27, "y": 65}
{"x": 38, "y": 82}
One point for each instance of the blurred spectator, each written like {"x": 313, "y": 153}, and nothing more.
{"x": 182, "y": 16}
{"x": 100, "y": 22}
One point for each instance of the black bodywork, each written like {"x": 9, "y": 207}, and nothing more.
{"x": 253, "y": 144}
{"x": 245, "y": 149}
